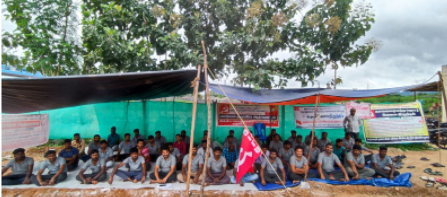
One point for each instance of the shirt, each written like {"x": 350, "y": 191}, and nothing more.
{"x": 181, "y": 147}
{"x": 176, "y": 152}
{"x": 285, "y": 155}
{"x": 230, "y": 156}
{"x": 313, "y": 153}
{"x": 153, "y": 149}
{"x": 201, "y": 152}
{"x": 217, "y": 166}
{"x": 308, "y": 138}
{"x": 276, "y": 164}
{"x": 21, "y": 168}
{"x": 381, "y": 163}
{"x": 145, "y": 153}
{"x": 113, "y": 139}
{"x": 261, "y": 157}
{"x": 92, "y": 146}
{"x": 292, "y": 140}
{"x": 160, "y": 141}
{"x": 227, "y": 144}
{"x": 187, "y": 140}
{"x": 234, "y": 140}
{"x": 350, "y": 157}
{"x": 165, "y": 165}
{"x": 106, "y": 154}
{"x": 328, "y": 162}
{"x": 338, "y": 152}
{"x": 276, "y": 145}
{"x": 135, "y": 140}
{"x": 194, "y": 162}
{"x": 80, "y": 146}
{"x": 134, "y": 165}
{"x": 94, "y": 167}
{"x": 69, "y": 154}
{"x": 124, "y": 146}
{"x": 298, "y": 163}
{"x": 53, "y": 169}
{"x": 322, "y": 143}
{"x": 349, "y": 142}
{"x": 353, "y": 123}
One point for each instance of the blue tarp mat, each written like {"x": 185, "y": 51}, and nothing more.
{"x": 271, "y": 186}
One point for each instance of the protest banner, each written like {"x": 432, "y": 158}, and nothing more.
{"x": 363, "y": 110}
{"x": 396, "y": 123}
{"x": 328, "y": 117}
{"x": 22, "y": 131}
{"x": 249, "y": 152}
{"x": 251, "y": 114}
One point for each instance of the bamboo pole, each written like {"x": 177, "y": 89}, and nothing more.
{"x": 208, "y": 140}
{"x": 313, "y": 132}
{"x": 194, "y": 84}
{"x": 441, "y": 79}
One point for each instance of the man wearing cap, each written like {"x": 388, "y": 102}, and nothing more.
{"x": 113, "y": 139}
{"x": 22, "y": 169}
{"x": 70, "y": 154}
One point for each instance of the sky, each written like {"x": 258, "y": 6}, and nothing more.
{"x": 414, "y": 46}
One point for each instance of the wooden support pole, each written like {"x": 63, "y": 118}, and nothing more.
{"x": 208, "y": 140}
{"x": 194, "y": 84}
{"x": 317, "y": 102}
{"x": 441, "y": 80}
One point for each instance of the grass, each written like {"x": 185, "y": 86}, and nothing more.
{"x": 404, "y": 147}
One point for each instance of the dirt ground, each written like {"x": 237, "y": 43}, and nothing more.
{"x": 317, "y": 189}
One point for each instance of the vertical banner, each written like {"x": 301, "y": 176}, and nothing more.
{"x": 23, "y": 131}
{"x": 363, "y": 110}
{"x": 251, "y": 114}
{"x": 396, "y": 123}
{"x": 249, "y": 152}
{"x": 328, "y": 117}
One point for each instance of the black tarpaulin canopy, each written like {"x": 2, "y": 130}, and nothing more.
{"x": 29, "y": 95}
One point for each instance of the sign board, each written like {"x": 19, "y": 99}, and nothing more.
{"x": 24, "y": 130}
{"x": 328, "y": 117}
{"x": 363, "y": 110}
{"x": 251, "y": 114}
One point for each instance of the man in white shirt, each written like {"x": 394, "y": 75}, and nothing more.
{"x": 352, "y": 123}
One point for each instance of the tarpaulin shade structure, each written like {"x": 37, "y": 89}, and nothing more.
{"x": 301, "y": 95}
{"x": 36, "y": 94}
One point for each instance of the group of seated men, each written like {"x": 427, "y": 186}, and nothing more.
{"x": 292, "y": 157}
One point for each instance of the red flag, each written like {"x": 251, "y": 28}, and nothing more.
{"x": 248, "y": 154}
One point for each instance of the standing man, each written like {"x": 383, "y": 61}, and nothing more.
{"x": 137, "y": 168}
{"x": 180, "y": 145}
{"x": 106, "y": 153}
{"x": 154, "y": 148}
{"x": 383, "y": 165}
{"x": 79, "y": 144}
{"x": 355, "y": 165}
{"x": 276, "y": 144}
{"x": 323, "y": 141}
{"x": 124, "y": 148}
{"x": 299, "y": 166}
{"x": 326, "y": 162}
{"x": 93, "y": 145}
{"x": 70, "y": 154}
{"x": 22, "y": 169}
{"x": 352, "y": 123}
{"x": 217, "y": 172}
{"x": 137, "y": 136}
{"x": 196, "y": 167}
{"x": 164, "y": 171}
{"x": 268, "y": 174}
{"x": 230, "y": 155}
{"x": 113, "y": 139}
{"x": 160, "y": 139}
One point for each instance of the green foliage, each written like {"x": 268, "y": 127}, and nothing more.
{"x": 404, "y": 147}
{"x": 428, "y": 100}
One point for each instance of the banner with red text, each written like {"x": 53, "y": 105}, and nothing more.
{"x": 328, "y": 117}
{"x": 248, "y": 154}
{"x": 251, "y": 114}
{"x": 22, "y": 131}
{"x": 363, "y": 110}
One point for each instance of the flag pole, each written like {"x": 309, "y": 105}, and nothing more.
{"x": 313, "y": 133}
{"x": 194, "y": 84}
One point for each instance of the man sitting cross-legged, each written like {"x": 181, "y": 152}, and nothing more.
{"x": 70, "y": 154}
{"x": 355, "y": 165}
{"x": 231, "y": 155}
{"x": 137, "y": 168}
{"x": 196, "y": 167}
{"x": 57, "y": 170}
{"x": 269, "y": 167}
{"x": 363, "y": 148}
{"x": 98, "y": 167}
{"x": 164, "y": 171}
{"x": 124, "y": 148}
{"x": 383, "y": 165}
{"x": 299, "y": 166}
{"x": 22, "y": 169}
{"x": 249, "y": 177}
{"x": 216, "y": 169}
{"x": 326, "y": 161}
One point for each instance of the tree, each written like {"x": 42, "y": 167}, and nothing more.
{"x": 46, "y": 32}
{"x": 330, "y": 30}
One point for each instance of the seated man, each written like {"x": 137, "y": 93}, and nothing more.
{"x": 79, "y": 144}
{"x": 348, "y": 142}
{"x": 144, "y": 152}
{"x": 261, "y": 158}
{"x": 249, "y": 177}
{"x": 180, "y": 145}
{"x": 292, "y": 139}
{"x": 154, "y": 148}
{"x": 113, "y": 139}
{"x": 196, "y": 167}
{"x": 137, "y": 168}
{"x": 22, "y": 169}
{"x": 57, "y": 171}
{"x": 136, "y": 136}
{"x": 185, "y": 138}
{"x": 106, "y": 153}
{"x": 323, "y": 141}
{"x": 160, "y": 139}
{"x": 363, "y": 148}
{"x": 285, "y": 153}
{"x": 230, "y": 141}
{"x": 92, "y": 146}
{"x": 176, "y": 153}
{"x": 164, "y": 171}
{"x": 314, "y": 153}
{"x": 202, "y": 150}
{"x": 276, "y": 143}
{"x": 258, "y": 140}
{"x": 299, "y": 141}
{"x": 231, "y": 155}
{"x": 383, "y": 165}
{"x": 339, "y": 150}
{"x": 299, "y": 166}
{"x": 269, "y": 167}
{"x": 326, "y": 161}
{"x": 355, "y": 165}
{"x": 234, "y": 139}
{"x": 272, "y": 136}
{"x": 309, "y": 137}
{"x": 98, "y": 168}
{"x": 216, "y": 169}
{"x": 70, "y": 154}
{"x": 124, "y": 148}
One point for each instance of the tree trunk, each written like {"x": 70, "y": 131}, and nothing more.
{"x": 63, "y": 37}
